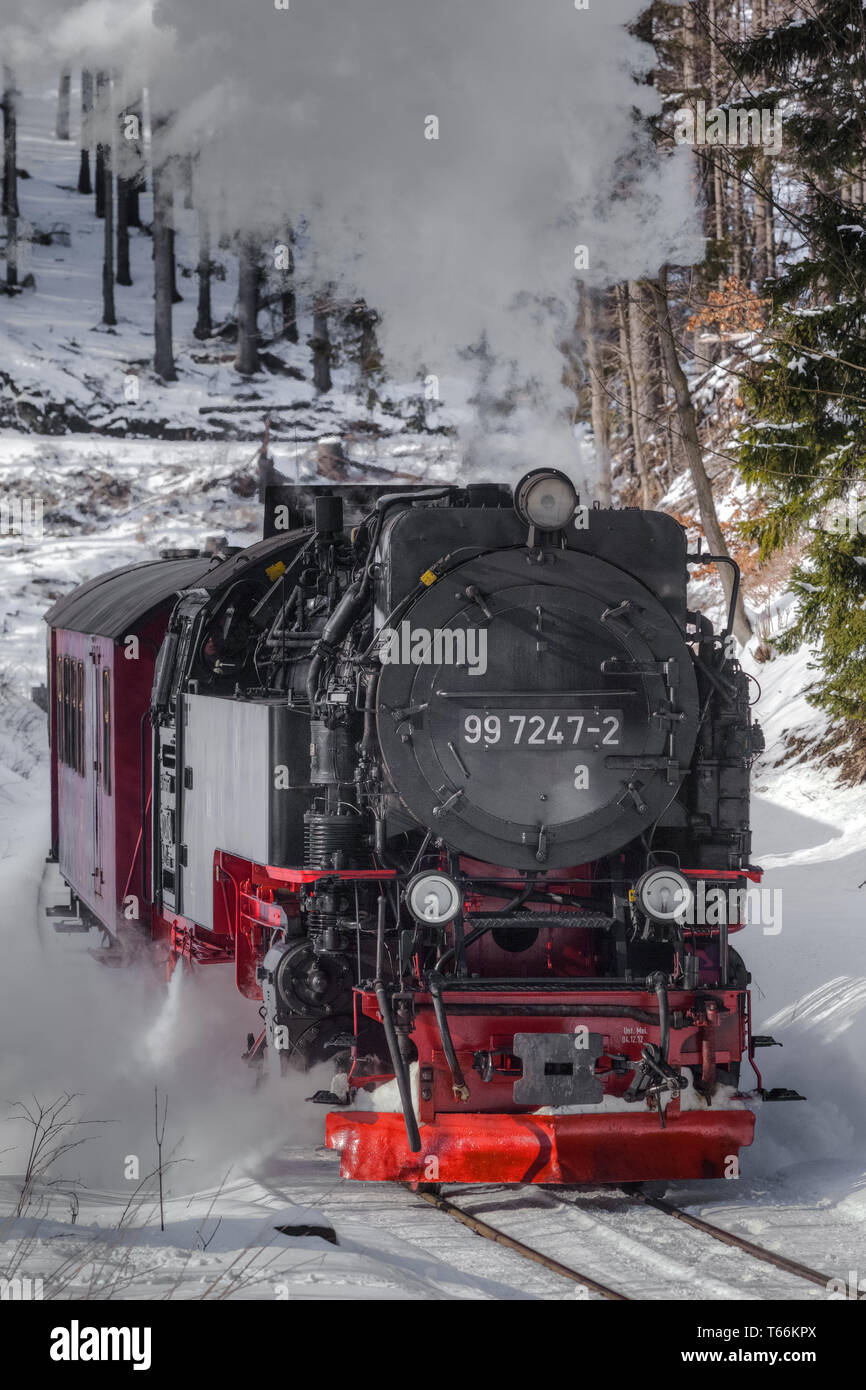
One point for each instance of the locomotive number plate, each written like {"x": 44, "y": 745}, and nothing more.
{"x": 542, "y": 729}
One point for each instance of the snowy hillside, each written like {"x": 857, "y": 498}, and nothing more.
{"x": 63, "y": 370}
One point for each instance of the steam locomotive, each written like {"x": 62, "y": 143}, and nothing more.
{"x": 449, "y": 776}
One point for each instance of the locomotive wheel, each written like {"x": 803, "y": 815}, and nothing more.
{"x": 313, "y": 985}
{"x": 308, "y": 1041}
{"x": 738, "y": 976}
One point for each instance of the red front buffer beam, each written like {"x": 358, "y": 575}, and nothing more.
{"x": 507, "y": 1148}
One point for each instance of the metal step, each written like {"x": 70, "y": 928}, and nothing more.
{"x": 589, "y": 921}
{"x": 545, "y": 985}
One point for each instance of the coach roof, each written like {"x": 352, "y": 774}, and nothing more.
{"x": 112, "y": 604}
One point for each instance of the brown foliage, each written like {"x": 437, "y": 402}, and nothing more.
{"x": 733, "y": 309}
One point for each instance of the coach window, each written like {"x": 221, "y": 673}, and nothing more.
{"x": 82, "y": 705}
{"x": 73, "y": 714}
{"x": 58, "y": 697}
{"x": 106, "y": 732}
{"x": 67, "y": 712}
{"x": 80, "y": 720}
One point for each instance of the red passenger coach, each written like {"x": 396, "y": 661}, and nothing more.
{"x": 102, "y": 646}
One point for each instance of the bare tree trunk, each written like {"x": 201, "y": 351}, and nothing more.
{"x": 204, "y": 321}
{"x": 103, "y": 93}
{"x": 84, "y": 184}
{"x": 692, "y": 73}
{"x": 136, "y": 180}
{"x": 124, "y": 161}
{"x": 690, "y": 44}
{"x": 765, "y": 234}
{"x": 624, "y": 389}
{"x": 176, "y": 297}
{"x": 369, "y": 357}
{"x": 247, "y": 360}
{"x": 265, "y": 462}
{"x": 737, "y": 227}
{"x": 362, "y": 319}
{"x": 288, "y": 300}
{"x": 646, "y": 499}
{"x": 644, "y": 353}
{"x": 692, "y": 448}
{"x": 61, "y": 129}
{"x": 186, "y": 177}
{"x": 321, "y": 344}
{"x": 100, "y": 117}
{"x": 162, "y": 256}
{"x": 593, "y": 324}
{"x": 719, "y": 180}
{"x": 735, "y": 30}
{"x": 124, "y": 273}
{"x": 108, "y": 313}
{"x": 10, "y": 176}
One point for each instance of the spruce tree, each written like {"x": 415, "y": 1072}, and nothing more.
{"x": 806, "y": 443}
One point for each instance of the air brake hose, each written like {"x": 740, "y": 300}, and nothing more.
{"x": 399, "y": 1066}
{"x": 659, "y": 984}
{"x": 458, "y": 1081}
{"x": 516, "y": 902}
{"x": 477, "y": 932}
{"x": 401, "y": 1072}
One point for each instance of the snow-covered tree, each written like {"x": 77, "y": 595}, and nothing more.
{"x": 806, "y": 447}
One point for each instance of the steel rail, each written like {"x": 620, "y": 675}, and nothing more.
{"x": 482, "y": 1228}
{"x": 728, "y": 1238}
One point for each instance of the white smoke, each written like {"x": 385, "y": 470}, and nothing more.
{"x": 323, "y": 111}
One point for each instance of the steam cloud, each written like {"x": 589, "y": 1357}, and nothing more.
{"x": 321, "y": 110}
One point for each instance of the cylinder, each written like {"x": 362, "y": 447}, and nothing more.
{"x": 331, "y": 841}
{"x": 332, "y": 754}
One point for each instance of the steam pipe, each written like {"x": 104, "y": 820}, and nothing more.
{"x": 333, "y": 632}
{"x": 699, "y": 558}
{"x": 659, "y": 984}
{"x": 458, "y": 1081}
{"x": 401, "y": 1073}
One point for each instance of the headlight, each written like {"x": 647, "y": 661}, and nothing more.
{"x": 545, "y": 499}
{"x": 433, "y": 898}
{"x": 664, "y": 895}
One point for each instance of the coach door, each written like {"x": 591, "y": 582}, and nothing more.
{"x": 93, "y": 736}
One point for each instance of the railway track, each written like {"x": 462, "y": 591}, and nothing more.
{"x": 528, "y": 1252}
{"x": 758, "y": 1252}
{"x": 566, "y": 1271}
